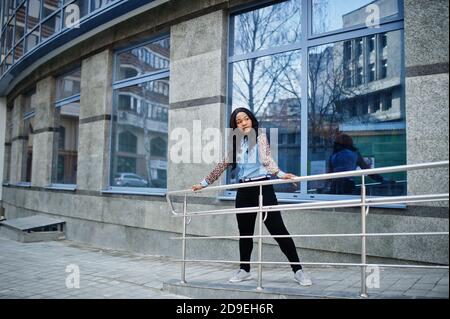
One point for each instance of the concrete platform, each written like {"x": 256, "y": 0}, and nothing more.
{"x": 32, "y": 229}
{"x": 328, "y": 282}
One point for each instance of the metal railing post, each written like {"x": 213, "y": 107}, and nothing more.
{"x": 183, "y": 242}
{"x": 363, "y": 293}
{"x": 260, "y": 222}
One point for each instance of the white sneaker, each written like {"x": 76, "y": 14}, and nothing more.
{"x": 240, "y": 275}
{"x": 302, "y": 278}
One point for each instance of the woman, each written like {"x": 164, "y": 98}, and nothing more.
{"x": 346, "y": 157}
{"x": 260, "y": 169}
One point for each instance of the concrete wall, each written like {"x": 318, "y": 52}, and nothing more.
{"x": 427, "y": 87}
{"x": 197, "y": 92}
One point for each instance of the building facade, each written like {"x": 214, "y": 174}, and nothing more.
{"x": 93, "y": 93}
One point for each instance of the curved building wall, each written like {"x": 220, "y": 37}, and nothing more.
{"x": 132, "y": 92}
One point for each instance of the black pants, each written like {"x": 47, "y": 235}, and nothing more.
{"x": 248, "y": 197}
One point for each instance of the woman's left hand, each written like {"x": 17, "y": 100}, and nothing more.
{"x": 290, "y": 176}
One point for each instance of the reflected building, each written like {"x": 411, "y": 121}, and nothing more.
{"x": 142, "y": 115}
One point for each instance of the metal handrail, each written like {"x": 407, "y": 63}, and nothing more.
{"x": 364, "y": 203}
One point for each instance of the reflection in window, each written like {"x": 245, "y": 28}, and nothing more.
{"x": 50, "y": 27}
{"x": 148, "y": 58}
{"x": 270, "y": 88}
{"x": 29, "y": 105}
{"x": 274, "y": 25}
{"x": 67, "y": 114}
{"x": 140, "y": 136}
{"x": 331, "y": 15}
{"x": 68, "y": 84}
{"x": 66, "y": 139}
{"x": 34, "y": 7}
{"x": 20, "y": 23}
{"x": 370, "y": 116}
{"x": 49, "y": 6}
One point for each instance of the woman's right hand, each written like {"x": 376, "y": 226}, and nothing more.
{"x": 197, "y": 187}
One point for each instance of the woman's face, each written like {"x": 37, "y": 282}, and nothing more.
{"x": 243, "y": 122}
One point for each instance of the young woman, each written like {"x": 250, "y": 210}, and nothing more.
{"x": 259, "y": 169}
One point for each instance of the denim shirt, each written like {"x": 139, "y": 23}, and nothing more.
{"x": 249, "y": 164}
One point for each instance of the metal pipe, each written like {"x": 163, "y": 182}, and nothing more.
{"x": 260, "y": 222}
{"x": 315, "y": 264}
{"x": 183, "y": 244}
{"x": 363, "y": 293}
{"x": 318, "y": 235}
{"x": 326, "y": 204}
{"x": 372, "y": 171}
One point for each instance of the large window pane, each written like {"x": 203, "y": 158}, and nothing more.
{"x": 32, "y": 39}
{"x": 144, "y": 59}
{"x": 18, "y": 51}
{"x": 28, "y": 124}
{"x": 140, "y": 135}
{"x": 34, "y": 7}
{"x": 50, "y": 6}
{"x": 50, "y": 27}
{"x": 271, "y": 26}
{"x": 66, "y": 144}
{"x": 20, "y": 23}
{"x": 270, "y": 88}
{"x": 68, "y": 84}
{"x": 331, "y": 15}
{"x": 353, "y": 101}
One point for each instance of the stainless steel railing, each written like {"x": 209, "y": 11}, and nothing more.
{"x": 364, "y": 203}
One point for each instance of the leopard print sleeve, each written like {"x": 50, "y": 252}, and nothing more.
{"x": 218, "y": 170}
{"x": 265, "y": 156}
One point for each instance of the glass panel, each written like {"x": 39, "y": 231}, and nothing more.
{"x": 20, "y": 23}
{"x": 270, "y": 88}
{"x": 66, "y": 144}
{"x": 68, "y": 84}
{"x": 32, "y": 39}
{"x": 268, "y": 27}
{"x": 347, "y": 120}
{"x": 140, "y": 135}
{"x": 80, "y": 7}
{"x": 331, "y": 15}
{"x": 29, "y": 104}
{"x": 8, "y": 61}
{"x": 18, "y": 51}
{"x": 50, "y": 27}
{"x": 27, "y": 155}
{"x": 50, "y": 6}
{"x": 145, "y": 59}
{"x": 34, "y": 6}
{"x": 97, "y": 4}
{"x": 2, "y": 46}
{"x": 9, "y": 37}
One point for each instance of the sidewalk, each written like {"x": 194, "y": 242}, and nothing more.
{"x": 38, "y": 270}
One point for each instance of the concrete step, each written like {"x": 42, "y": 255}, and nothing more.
{"x": 32, "y": 229}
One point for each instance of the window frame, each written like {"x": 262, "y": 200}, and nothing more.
{"x": 57, "y": 105}
{"x": 119, "y": 84}
{"x": 307, "y": 41}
